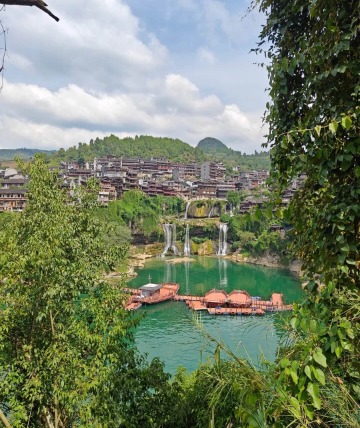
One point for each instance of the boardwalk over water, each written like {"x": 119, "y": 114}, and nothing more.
{"x": 257, "y": 307}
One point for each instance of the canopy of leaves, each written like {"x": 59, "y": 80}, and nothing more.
{"x": 66, "y": 356}
{"x": 144, "y": 146}
{"x": 313, "y": 117}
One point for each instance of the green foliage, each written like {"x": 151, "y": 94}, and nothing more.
{"x": 221, "y": 394}
{"x": 148, "y": 147}
{"x": 314, "y": 130}
{"x": 66, "y": 357}
{"x": 144, "y": 146}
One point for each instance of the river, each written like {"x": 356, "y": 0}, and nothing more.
{"x": 180, "y": 337}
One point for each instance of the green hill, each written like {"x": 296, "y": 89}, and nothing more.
{"x": 212, "y": 145}
{"x": 218, "y": 151}
{"x": 142, "y": 146}
{"x": 11, "y": 154}
{"x": 146, "y": 147}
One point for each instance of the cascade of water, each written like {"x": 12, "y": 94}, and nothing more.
{"x": 173, "y": 241}
{"x": 222, "y": 239}
{"x": 186, "y": 209}
{"x": 170, "y": 239}
{"x": 187, "y": 241}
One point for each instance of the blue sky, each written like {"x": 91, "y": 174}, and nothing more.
{"x": 175, "y": 68}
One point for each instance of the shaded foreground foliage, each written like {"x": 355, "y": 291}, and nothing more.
{"x": 66, "y": 353}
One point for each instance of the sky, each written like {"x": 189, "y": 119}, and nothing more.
{"x": 170, "y": 68}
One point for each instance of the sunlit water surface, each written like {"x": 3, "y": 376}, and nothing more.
{"x": 180, "y": 337}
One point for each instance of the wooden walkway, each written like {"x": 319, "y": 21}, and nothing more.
{"x": 257, "y": 307}
{"x": 197, "y": 303}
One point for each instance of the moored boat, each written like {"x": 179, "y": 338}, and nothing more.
{"x": 155, "y": 293}
{"x": 239, "y": 299}
{"x": 215, "y": 298}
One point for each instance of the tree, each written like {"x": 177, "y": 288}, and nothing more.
{"x": 40, "y": 4}
{"x": 37, "y": 3}
{"x": 314, "y": 130}
{"x": 64, "y": 335}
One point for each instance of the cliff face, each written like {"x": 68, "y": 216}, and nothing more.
{"x": 207, "y": 248}
{"x": 203, "y": 209}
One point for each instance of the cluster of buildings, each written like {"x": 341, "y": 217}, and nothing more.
{"x": 161, "y": 177}
{"x": 152, "y": 176}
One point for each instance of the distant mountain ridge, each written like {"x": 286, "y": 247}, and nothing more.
{"x": 11, "y": 154}
{"x": 218, "y": 151}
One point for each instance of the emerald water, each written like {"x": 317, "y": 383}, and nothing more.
{"x": 175, "y": 334}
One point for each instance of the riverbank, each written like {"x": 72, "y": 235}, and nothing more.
{"x": 269, "y": 260}
{"x": 139, "y": 255}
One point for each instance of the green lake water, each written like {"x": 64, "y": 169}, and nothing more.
{"x": 174, "y": 333}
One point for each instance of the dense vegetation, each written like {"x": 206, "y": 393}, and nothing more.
{"x": 66, "y": 353}
{"x": 314, "y": 129}
{"x": 137, "y": 213}
{"x": 144, "y": 146}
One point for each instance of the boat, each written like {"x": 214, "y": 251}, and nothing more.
{"x": 155, "y": 293}
{"x": 239, "y": 299}
{"x": 215, "y": 298}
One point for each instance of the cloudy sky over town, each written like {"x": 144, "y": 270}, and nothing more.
{"x": 174, "y": 68}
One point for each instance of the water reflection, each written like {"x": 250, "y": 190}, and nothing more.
{"x": 223, "y": 279}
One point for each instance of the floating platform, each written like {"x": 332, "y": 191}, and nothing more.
{"x": 215, "y": 302}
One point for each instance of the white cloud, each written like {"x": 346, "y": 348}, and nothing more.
{"x": 100, "y": 70}
{"x": 64, "y": 117}
{"x": 206, "y": 55}
{"x": 95, "y": 44}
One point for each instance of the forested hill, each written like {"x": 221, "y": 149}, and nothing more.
{"x": 11, "y": 154}
{"x": 175, "y": 150}
{"x": 212, "y": 145}
{"x": 218, "y": 151}
{"x": 143, "y": 146}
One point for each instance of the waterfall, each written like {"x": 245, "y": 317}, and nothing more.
{"x": 222, "y": 239}
{"x": 187, "y": 242}
{"x": 186, "y": 209}
{"x": 170, "y": 239}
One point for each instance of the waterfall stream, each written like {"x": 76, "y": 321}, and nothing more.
{"x": 170, "y": 239}
{"x": 187, "y": 241}
{"x": 186, "y": 209}
{"x": 222, "y": 239}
